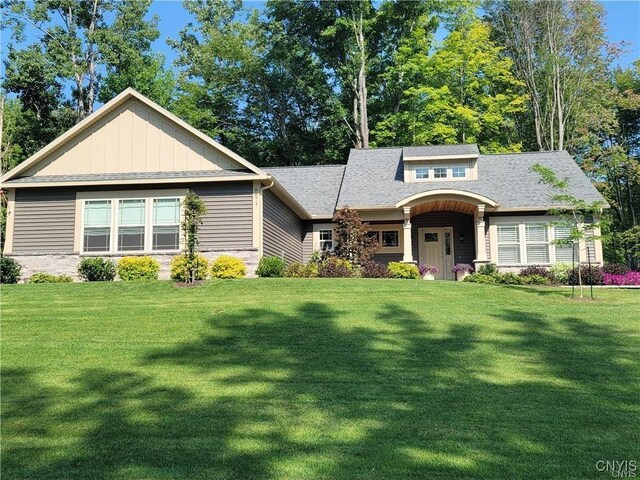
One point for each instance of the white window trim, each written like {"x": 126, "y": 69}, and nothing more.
{"x": 466, "y": 173}
{"x": 376, "y": 227}
{"x": 118, "y": 226}
{"x": 115, "y": 197}
{"x": 316, "y": 235}
{"x": 389, "y": 227}
{"x": 521, "y": 222}
{"x": 432, "y": 175}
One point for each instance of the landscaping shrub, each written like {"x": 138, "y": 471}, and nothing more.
{"x": 629, "y": 278}
{"x": 537, "y": 271}
{"x": 180, "y": 268}
{"x": 560, "y": 272}
{"x": 138, "y": 268}
{"x": 590, "y": 275}
{"x": 271, "y": 267}
{"x": 371, "y": 269}
{"x": 507, "y": 279}
{"x": 481, "y": 278}
{"x": 488, "y": 269}
{"x": 226, "y": 266}
{"x": 9, "y": 270}
{"x": 535, "y": 280}
{"x": 615, "y": 268}
{"x": 334, "y": 267}
{"x": 42, "y": 277}
{"x": 97, "y": 269}
{"x": 300, "y": 270}
{"x": 403, "y": 270}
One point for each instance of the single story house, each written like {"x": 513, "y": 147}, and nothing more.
{"x": 112, "y": 186}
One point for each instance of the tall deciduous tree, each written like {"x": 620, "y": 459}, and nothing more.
{"x": 557, "y": 50}
{"x": 463, "y": 92}
{"x": 77, "y": 41}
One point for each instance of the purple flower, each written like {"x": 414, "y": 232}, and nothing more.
{"x": 424, "y": 269}
{"x": 629, "y": 278}
{"x": 462, "y": 267}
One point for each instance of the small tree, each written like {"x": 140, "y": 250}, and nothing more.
{"x": 194, "y": 210}
{"x": 351, "y": 238}
{"x": 575, "y": 214}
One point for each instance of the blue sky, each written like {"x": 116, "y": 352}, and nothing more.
{"x": 623, "y": 25}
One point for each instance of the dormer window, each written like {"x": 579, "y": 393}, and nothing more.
{"x": 440, "y": 172}
{"x": 422, "y": 173}
{"x": 458, "y": 172}
{"x": 440, "y": 163}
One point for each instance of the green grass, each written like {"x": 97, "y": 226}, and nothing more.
{"x": 317, "y": 378}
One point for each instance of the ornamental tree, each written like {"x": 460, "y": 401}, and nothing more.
{"x": 574, "y": 213}
{"x": 351, "y": 239}
{"x": 194, "y": 210}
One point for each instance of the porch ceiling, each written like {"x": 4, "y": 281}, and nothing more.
{"x": 443, "y": 206}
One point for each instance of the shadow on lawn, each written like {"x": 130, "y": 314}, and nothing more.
{"x": 306, "y": 396}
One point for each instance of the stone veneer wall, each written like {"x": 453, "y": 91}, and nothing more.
{"x": 67, "y": 264}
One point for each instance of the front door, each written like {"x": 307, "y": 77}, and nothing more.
{"x": 436, "y": 248}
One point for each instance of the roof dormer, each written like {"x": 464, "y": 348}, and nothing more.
{"x": 440, "y": 163}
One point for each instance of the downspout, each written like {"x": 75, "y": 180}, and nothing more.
{"x": 261, "y": 239}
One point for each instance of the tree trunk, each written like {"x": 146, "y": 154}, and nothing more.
{"x": 361, "y": 117}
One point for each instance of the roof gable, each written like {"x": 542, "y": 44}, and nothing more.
{"x": 131, "y": 134}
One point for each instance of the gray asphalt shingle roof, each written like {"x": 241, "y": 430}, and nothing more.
{"x": 444, "y": 150}
{"x": 316, "y": 188}
{"x": 374, "y": 177}
{"x": 128, "y": 176}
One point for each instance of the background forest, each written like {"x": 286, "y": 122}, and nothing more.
{"x": 301, "y": 82}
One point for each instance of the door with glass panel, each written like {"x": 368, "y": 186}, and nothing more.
{"x": 432, "y": 249}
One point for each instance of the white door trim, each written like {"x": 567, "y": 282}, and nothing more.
{"x": 446, "y": 261}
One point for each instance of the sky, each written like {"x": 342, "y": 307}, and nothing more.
{"x": 623, "y": 25}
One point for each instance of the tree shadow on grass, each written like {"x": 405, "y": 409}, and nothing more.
{"x": 309, "y": 395}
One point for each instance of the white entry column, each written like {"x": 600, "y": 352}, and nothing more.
{"x": 481, "y": 251}
{"x": 407, "y": 256}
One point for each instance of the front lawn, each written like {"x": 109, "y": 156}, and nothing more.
{"x": 317, "y": 378}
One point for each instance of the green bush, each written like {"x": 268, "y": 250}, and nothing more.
{"x": 226, "y": 266}
{"x": 138, "y": 268}
{"x": 301, "y": 270}
{"x": 535, "y": 280}
{"x": 42, "y": 277}
{"x": 180, "y": 268}
{"x": 403, "y": 270}
{"x": 271, "y": 267}
{"x": 488, "y": 269}
{"x": 480, "y": 278}
{"x": 560, "y": 272}
{"x": 9, "y": 270}
{"x": 97, "y": 269}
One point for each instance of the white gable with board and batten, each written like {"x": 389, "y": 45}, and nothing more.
{"x": 131, "y": 134}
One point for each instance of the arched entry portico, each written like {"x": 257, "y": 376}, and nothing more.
{"x": 441, "y": 219}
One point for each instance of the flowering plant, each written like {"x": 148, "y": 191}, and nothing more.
{"x": 629, "y": 278}
{"x": 462, "y": 267}
{"x": 424, "y": 269}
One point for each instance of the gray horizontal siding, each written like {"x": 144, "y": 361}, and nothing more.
{"x": 464, "y": 252}
{"x": 228, "y": 222}
{"x": 387, "y": 257}
{"x": 307, "y": 241}
{"x": 282, "y": 235}
{"x": 44, "y": 220}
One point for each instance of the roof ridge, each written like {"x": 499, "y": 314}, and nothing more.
{"x": 522, "y": 153}
{"x": 309, "y": 166}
